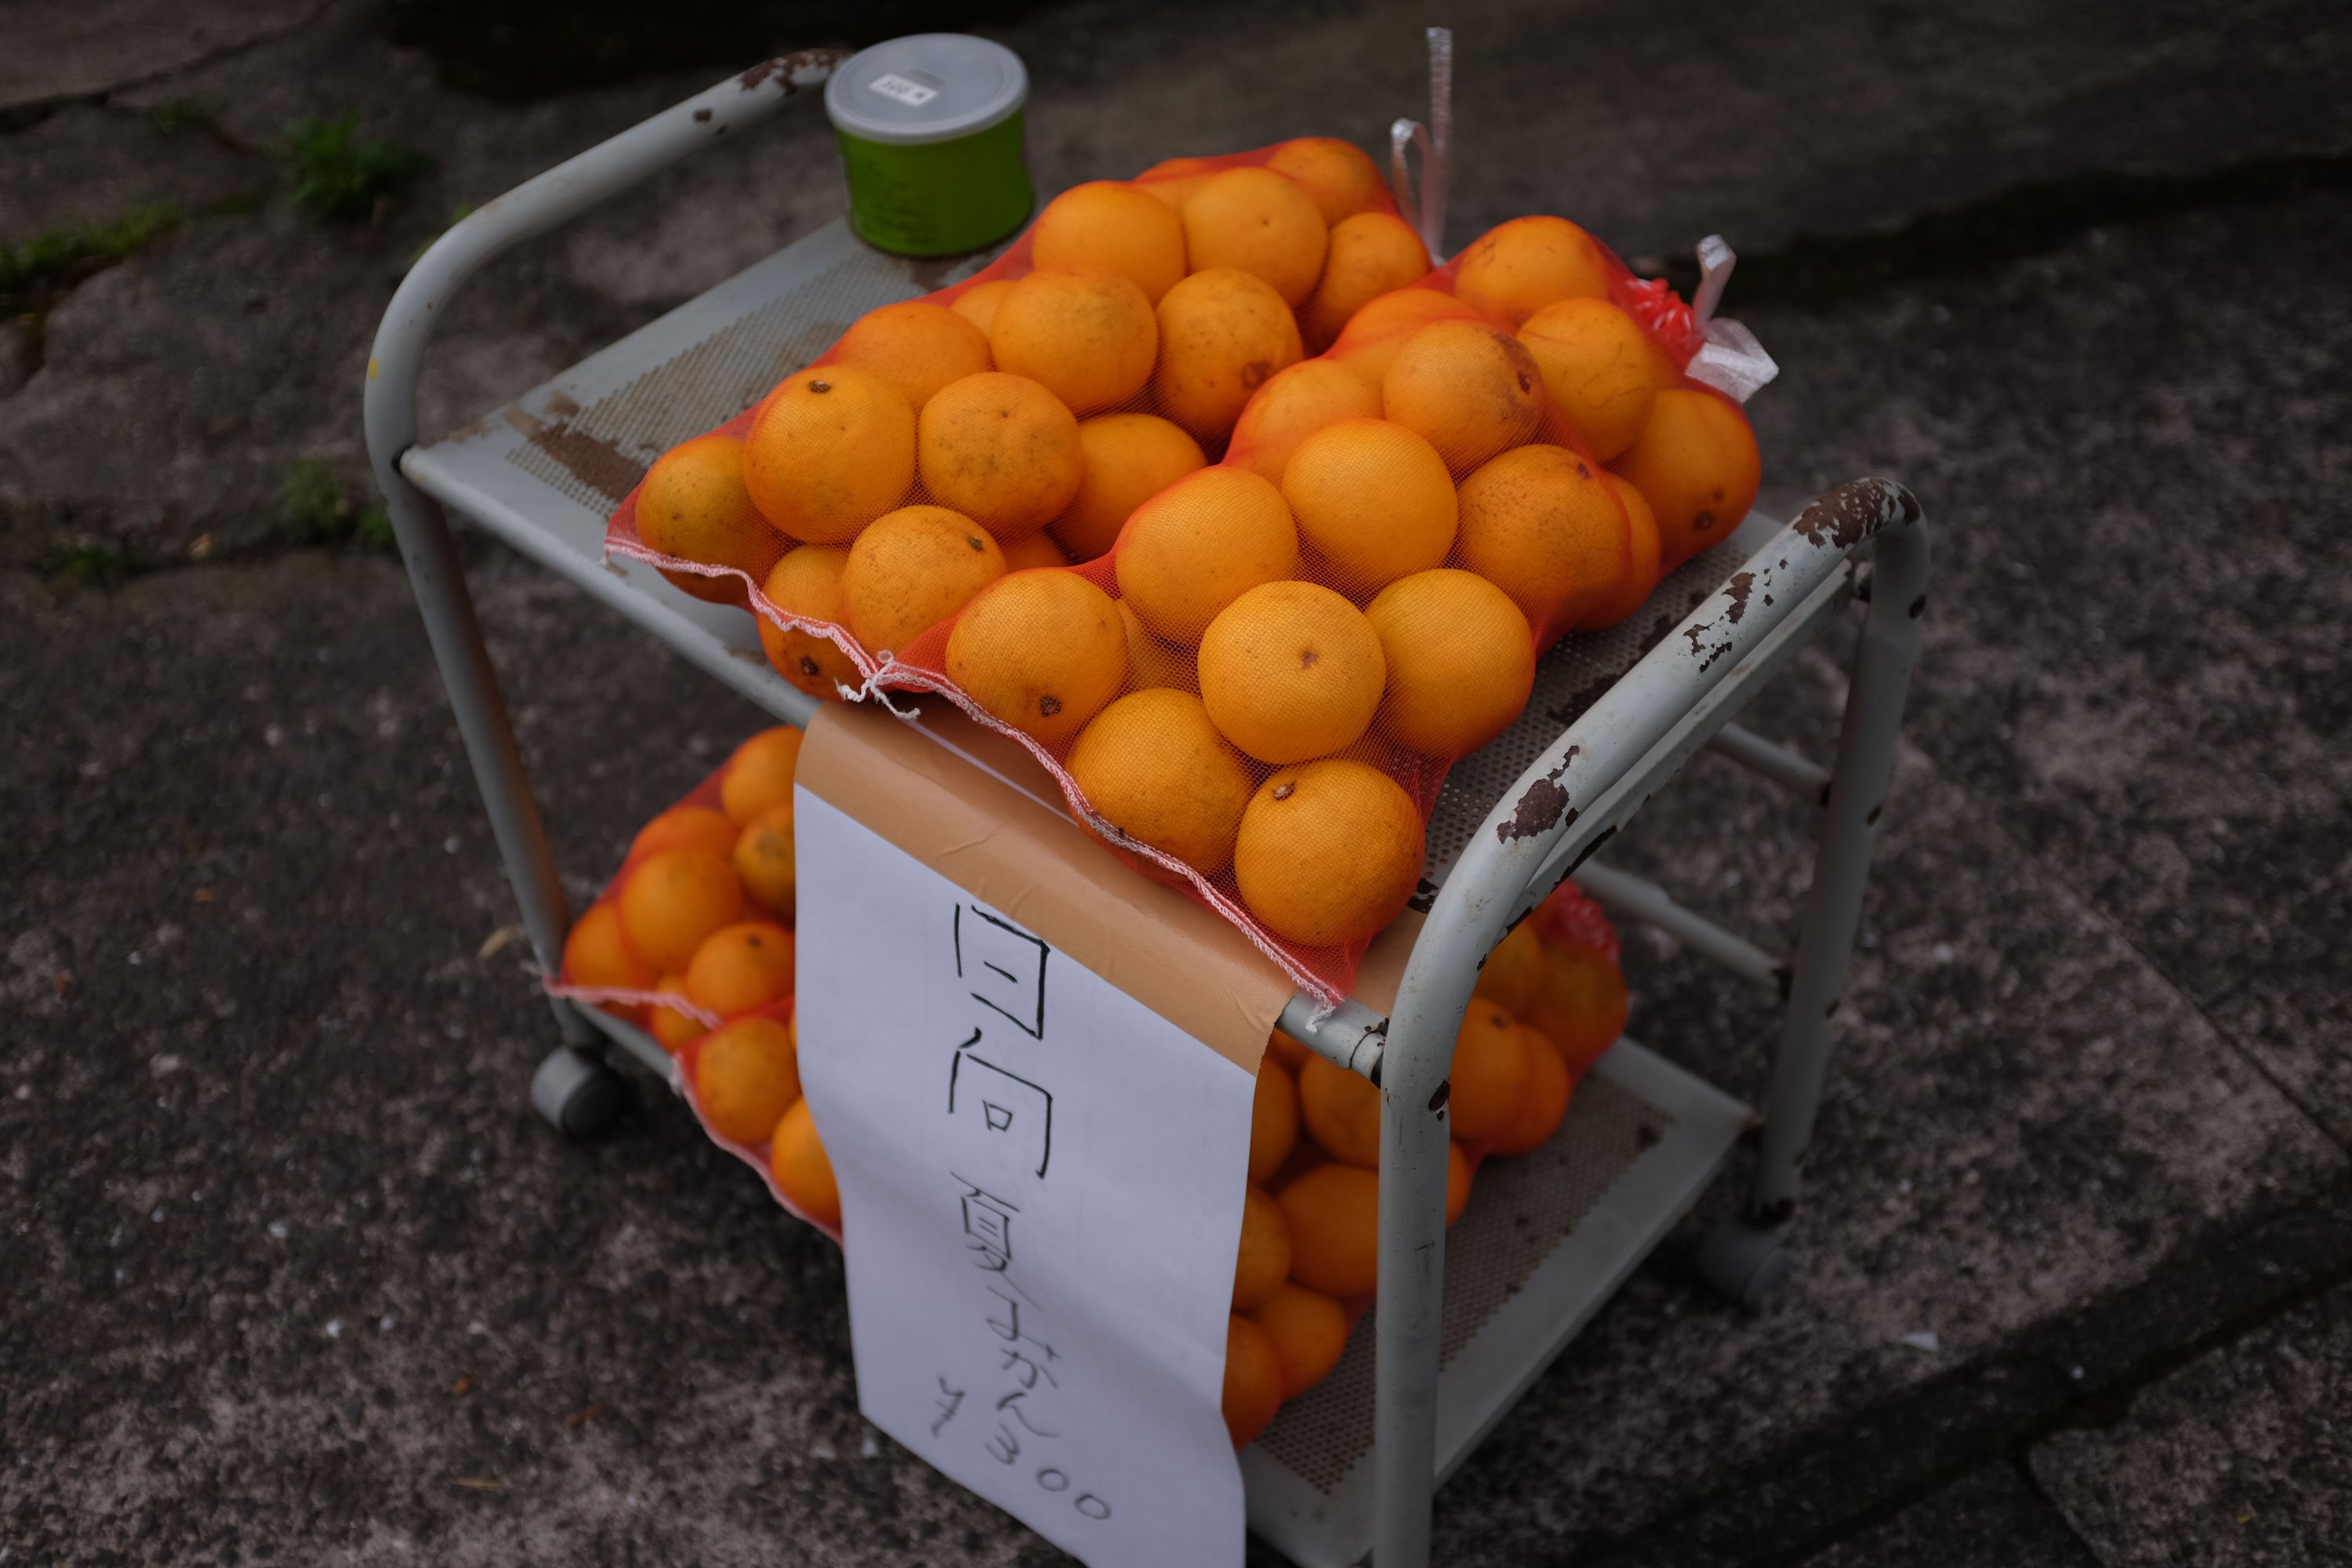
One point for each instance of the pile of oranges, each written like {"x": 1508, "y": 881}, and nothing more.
{"x": 694, "y": 940}
{"x": 1550, "y": 1001}
{"x": 1246, "y": 604}
{"x": 703, "y": 913}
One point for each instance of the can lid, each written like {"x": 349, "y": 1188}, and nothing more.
{"x": 931, "y": 87}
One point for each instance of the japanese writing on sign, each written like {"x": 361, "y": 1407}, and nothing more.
{"x": 1041, "y": 1184}
{"x": 1001, "y": 1122}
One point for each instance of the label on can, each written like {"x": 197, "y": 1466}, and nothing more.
{"x": 913, "y": 94}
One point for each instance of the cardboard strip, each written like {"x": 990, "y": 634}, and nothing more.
{"x": 986, "y": 823}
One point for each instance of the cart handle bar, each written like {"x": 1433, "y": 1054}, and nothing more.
{"x": 540, "y": 204}
{"x": 1490, "y": 885}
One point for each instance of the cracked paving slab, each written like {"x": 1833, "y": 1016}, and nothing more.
{"x": 2022, "y": 1115}
{"x": 2243, "y": 1456}
{"x": 50, "y": 52}
{"x": 2135, "y": 647}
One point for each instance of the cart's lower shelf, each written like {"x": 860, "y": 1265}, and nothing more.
{"x": 1546, "y": 1239}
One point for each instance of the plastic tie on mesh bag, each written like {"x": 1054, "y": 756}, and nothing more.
{"x": 1729, "y": 357}
{"x": 1569, "y": 918}
{"x": 1435, "y": 142}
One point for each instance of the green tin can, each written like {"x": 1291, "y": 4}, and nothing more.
{"x": 930, "y": 135}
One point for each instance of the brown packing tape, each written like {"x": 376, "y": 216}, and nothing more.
{"x": 1380, "y": 973}
{"x": 982, "y": 820}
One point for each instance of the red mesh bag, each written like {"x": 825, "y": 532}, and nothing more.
{"x": 1581, "y": 1001}
{"x": 693, "y": 941}
{"x": 1245, "y": 604}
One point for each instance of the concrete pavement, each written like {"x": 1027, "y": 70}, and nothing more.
{"x": 296, "y": 1276}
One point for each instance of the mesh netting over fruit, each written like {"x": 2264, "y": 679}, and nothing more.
{"x": 693, "y": 941}
{"x": 1245, "y": 604}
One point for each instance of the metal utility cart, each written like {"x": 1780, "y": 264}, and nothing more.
{"x": 1614, "y": 716}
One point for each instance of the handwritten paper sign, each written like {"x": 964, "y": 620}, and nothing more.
{"x": 1041, "y": 1184}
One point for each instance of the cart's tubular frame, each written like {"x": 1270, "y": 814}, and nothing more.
{"x": 1680, "y": 696}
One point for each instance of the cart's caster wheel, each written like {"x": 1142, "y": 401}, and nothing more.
{"x": 1743, "y": 1264}
{"x": 578, "y": 1092}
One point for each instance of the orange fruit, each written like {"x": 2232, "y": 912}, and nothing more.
{"x": 1341, "y": 1111}
{"x": 1291, "y": 671}
{"x": 1309, "y": 1330}
{"x": 1172, "y": 181}
{"x": 1371, "y": 254}
{"x": 739, "y": 967}
{"x": 1472, "y": 390}
{"x": 1542, "y": 524}
{"x": 1043, "y": 652}
{"x": 1274, "y": 1121}
{"x": 1108, "y": 225}
{"x": 684, "y": 827}
{"x": 1200, "y": 544}
{"x": 1544, "y": 1101}
{"x": 1369, "y": 341}
{"x": 1263, "y": 1262}
{"x": 1128, "y": 459}
{"x": 1373, "y": 500}
{"x": 1335, "y": 1229}
{"x": 916, "y": 346}
{"x": 671, "y": 1028}
{"x": 1288, "y": 1052}
{"x": 675, "y": 897}
{"x": 1515, "y": 268}
{"x": 1489, "y": 1074}
{"x": 765, "y": 863}
{"x": 1512, "y": 976}
{"x": 1583, "y": 1005}
{"x": 746, "y": 1077}
{"x": 1152, "y": 766}
{"x": 1153, "y": 663}
{"x": 1696, "y": 463}
{"x": 1089, "y": 338}
{"x": 1260, "y": 223}
{"x": 1002, "y": 450}
{"x": 1222, "y": 334}
{"x": 1254, "y": 1379}
{"x": 597, "y": 953}
{"x": 1461, "y": 661}
{"x": 802, "y": 1173}
{"x": 693, "y": 505}
{"x": 1034, "y": 552}
{"x": 760, "y": 774}
{"x": 1598, "y": 367}
{"x": 1457, "y": 1181}
{"x": 1642, "y": 574}
{"x": 978, "y": 303}
{"x": 1292, "y": 407}
{"x": 1338, "y": 176}
{"x": 829, "y": 451}
{"x": 807, "y": 581}
{"x": 912, "y": 569}
{"x": 1328, "y": 852}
